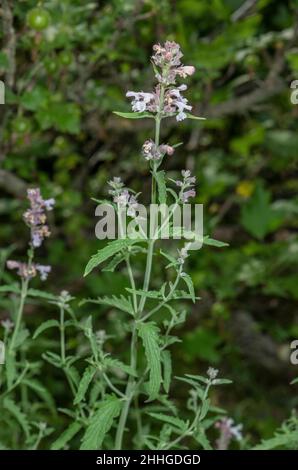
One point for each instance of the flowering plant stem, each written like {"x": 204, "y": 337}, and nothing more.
{"x": 131, "y": 391}
{"x": 23, "y": 296}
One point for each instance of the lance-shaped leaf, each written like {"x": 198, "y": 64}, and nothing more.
{"x": 133, "y": 115}
{"x": 197, "y": 118}
{"x": 66, "y": 436}
{"x": 149, "y": 334}
{"x": 167, "y": 369}
{"x": 122, "y": 303}
{"x": 100, "y": 423}
{"x": 45, "y": 326}
{"x": 17, "y": 413}
{"x": 105, "y": 253}
{"x": 84, "y": 384}
{"x": 162, "y": 189}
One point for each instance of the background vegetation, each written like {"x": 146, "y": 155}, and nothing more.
{"x": 58, "y": 132}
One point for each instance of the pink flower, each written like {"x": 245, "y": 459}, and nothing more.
{"x": 153, "y": 152}
{"x": 36, "y": 218}
{"x": 228, "y": 431}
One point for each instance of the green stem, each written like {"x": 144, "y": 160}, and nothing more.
{"x": 24, "y": 292}
{"x": 62, "y": 335}
{"x": 131, "y": 391}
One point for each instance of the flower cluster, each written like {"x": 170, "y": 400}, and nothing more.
{"x": 228, "y": 431}
{"x": 167, "y": 58}
{"x": 151, "y": 151}
{"x": 187, "y": 183}
{"x": 183, "y": 254}
{"x": 36, "y": 218}
{"x": 28, "y": 271}
{"x": 122, "y": 197}
{"x": 166, "y": 98}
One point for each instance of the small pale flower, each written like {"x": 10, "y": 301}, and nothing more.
{"x": 188, "y": 194}
{"x": 43, "y": 271}
{"x": 212, "y": 373}
{"x": 228, "y": 430}
{"x": 140, "y": 100}
{"x": 7, "y": 325}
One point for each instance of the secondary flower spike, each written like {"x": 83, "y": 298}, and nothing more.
{"x": 166, "y": 99}
{"x": 36, "y": 217}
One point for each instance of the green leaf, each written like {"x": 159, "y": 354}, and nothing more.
{"x": 22, "y": 335}
{"x": 151, "y": 294}
{"x": 162, "y": 189}
{"x": 100, "y": 423}
{"x": 114, "y": 262}
{"x": 257, "y": 215}
{"x": 42, "y": 392}
{"x": 10, "y": 288}
{"x": 41, "y": 294}
{"x": 188, "y": 280}
{"x": 202, "y": 439}
{"x": 149, "y": 334}
{"x": 105, "y": 253}
{"x": 167, "y": 369}
{"x": 176, "y": 422}
{"x": 16, "y": 412}
{"x": 10, "y": 368}
{"x": 210, "y": 241}
{"x": 110, "y": 362}
{"x": 197, "y": 118}
{"x": 122, "y": 303}
{"x": 133, "y": 115}
{"x": 204, "y": 409}
{"x": 64, "y": 117}
{"x": 45, "y": 326}
{"x": 66, "y": 436}
{"x": 84, "y": 384}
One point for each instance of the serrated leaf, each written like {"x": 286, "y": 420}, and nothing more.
{"x": 176, "y": 422}
{"x": 188, "y": 281}
{"x": 114, "y": 262}
{"x": 148, "y": 332}
{"x": 133, "y": 115}
{"x": 204, "y": 409}
{"x": 84, "y": 384}
{"x": 45, "y": 326}
{"x": 16, "y": 412}
{"x": 161, "y": 185}
{"x": 122, "y": 303}
{"x": 151, "y": 294}
{"x": 167, "y": 369}
{"x": 66, "y": 436}
{"x": 100, "y": 423}
{"x": 110, "y": 362}
{"x": 202, "y": 439}
{"x": 105, "y": 253}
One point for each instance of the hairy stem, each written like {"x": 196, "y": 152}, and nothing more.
{"x": 23, "y": 296}
{"x": 131, "y": 391}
